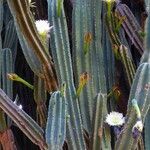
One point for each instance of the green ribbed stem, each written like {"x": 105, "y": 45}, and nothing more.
{"x": 56, "y": 121}
{"x": 139, "y": 91}
{"x": 28, "y": 34}
{"x": 60, "y": 49}
{"x": 40, "y": 99}
{"x": 27, "y": 125}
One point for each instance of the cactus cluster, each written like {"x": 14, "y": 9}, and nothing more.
{"x": 79, "y": 76}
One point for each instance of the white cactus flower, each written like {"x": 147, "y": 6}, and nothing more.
{"x": 138, "y": 126}
{"x": 115, "y": 119}
{"x": 43, "y": 27}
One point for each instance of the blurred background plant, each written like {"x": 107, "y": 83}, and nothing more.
{"x": 72, "y": 76}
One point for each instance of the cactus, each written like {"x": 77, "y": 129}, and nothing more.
{"x": 147, "y": 131}
{"x": 1, "y": 25}
{"x": 25, "y": 30}
{"x": 56, "y": 122}
{"x": 61, "y": 53}
{"x": 40, "y": 99}
{"x": 24, "y": 122}
{"x": 105, "y": 35}
{"x": 120, "y": 45}
{"x": 146, "y": 58}
{"x": 98, "y": 140}
{"x": 85, "y": 21}
{"x": 7, "y": 15}
{"x": 140, "y": 92}
{"x": 147, "y": 3}
{"x": 3, "y": 125}
{"x": 30, "y": 56}
{"x": 128, "y": 63}
{"x": 7, "y": 67}
{"x": 130, "y": 24}
{"x": 82, "y": 28}
{"x": 85, "y": 25}
{"x": 108, "y": 56}
{"x": 11, "y": 39}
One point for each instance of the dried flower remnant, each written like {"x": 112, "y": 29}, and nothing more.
{"x": 87, "y": 42}
{"x": 84, "y": 78}
{"x": 115, "y": 119}
{"x": 12, "y": 76}
{"x": 115, "y": 49}
{"x": 88, "y": 37}
{"x": 115, "y": 92}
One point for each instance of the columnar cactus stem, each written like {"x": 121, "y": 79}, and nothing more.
{"x": 98, "y": 130}
{"x": 83, "y": 48}
{"x": 24, "y": 22}
{"x": 139, "y": 91}
{"x": 40, "y": 99}
{"x": 28, "y": 126}
{"x": 146, "y": 58}
{"x": 56, "y": 122}
{"x": 131, "y": 26}
{"x": 60, "y": 48}
{"x": 1, "y": 26}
